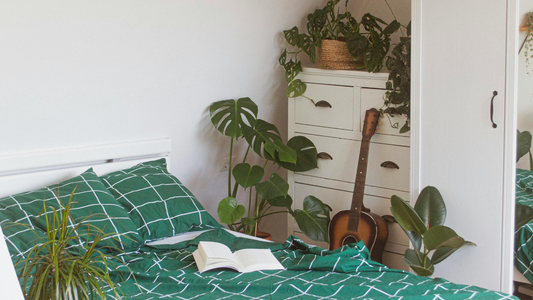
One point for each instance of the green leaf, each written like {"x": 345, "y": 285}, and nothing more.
{"x": 430, "y": 207}
{"x": 247, "y": 176}
{"x": 229, "y": 211}
{"x": 415, "y": 238}
{"x": 314, "y": 219}
{"x": 357, "y": 44}
{"x": 248, "y": 221}
{"x": 296, "y": 88}
{"x": 406, "y": 216}
{"x": 292, "y": 36}
{"x": 306, "y": 154}
{"x": 523, "y": 215}
{"x": 442, "y": 253}
{"x": 421, "y": 271}
{"x": 441, "y": 236}
{"x": 392, "y": 27}
{"x": 414, "y": 260}
{"x": 283, "y": 153}
{"x": 523, "y": 140}
{"x": 261, "y": 138}
{"x": 281, "y": 201}
{"x": 276, "y": 187}
{"x": 230, "y": 116}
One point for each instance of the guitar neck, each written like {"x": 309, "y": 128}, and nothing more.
{"x": 359, "y": 188}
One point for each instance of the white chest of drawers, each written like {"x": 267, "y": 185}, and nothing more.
{"x": 335, "y": 129}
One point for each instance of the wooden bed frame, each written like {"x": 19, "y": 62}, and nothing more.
{"x": 20, "y": 172}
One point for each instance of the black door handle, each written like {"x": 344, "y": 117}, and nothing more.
{"x": 494, "y": 94}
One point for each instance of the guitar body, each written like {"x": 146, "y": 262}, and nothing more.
{"x": 372, "y": 230}
{"x": 358, "y": 223}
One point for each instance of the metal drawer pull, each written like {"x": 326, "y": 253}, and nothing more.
{"x": 323, "y": 103}
{"x": 390, "y": 164}
{"x": 389, "y": 219}
{"x": 494, "y": 94}
{"x": 324, "y": 155}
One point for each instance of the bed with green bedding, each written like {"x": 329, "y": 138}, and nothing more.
{"x": 141, "y": 206}
{"x": 523, "y": 245}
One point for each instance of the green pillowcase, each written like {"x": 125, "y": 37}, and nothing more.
{"x": 91, "y": 199}
{"x": 156, "y": 201}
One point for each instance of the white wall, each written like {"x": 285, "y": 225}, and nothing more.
{"x": 76, "y": 73}
{"x": 525, "y": 87}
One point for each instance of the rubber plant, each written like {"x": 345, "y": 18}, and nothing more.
{"x": 53, "y": 270}
{"x": 424, "y": 225}
{"x": 237, "y": 119}
{"x": 398, "y": 95}
{"x": 372, "y": 43}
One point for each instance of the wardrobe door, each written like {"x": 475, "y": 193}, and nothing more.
{"x": 463, "y": 73}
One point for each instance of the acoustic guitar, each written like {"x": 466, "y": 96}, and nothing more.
{"x": 358, "y": 223}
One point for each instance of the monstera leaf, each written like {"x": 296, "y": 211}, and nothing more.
{"x": 230, "y": 116}
{"x": 306, "y": 154}
{"x": 281, "y": 201}
{"x": 265, "y": 140}
{"x": 229, "y": 211}
{"x": 314, "y": 219}
{"x": 247, "y": 176}
{"x": 273, "y": 188}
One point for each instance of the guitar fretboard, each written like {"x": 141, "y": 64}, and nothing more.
{"x": 359, "y": 188}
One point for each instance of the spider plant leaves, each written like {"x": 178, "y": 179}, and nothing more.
{"x": 523, "y": 144}
{"x": 247, "y": 176}
{"x": 441, "y": 236}
{"x": 314, "y": 219}
{"x": 230, "y": 116}
{"x": 430, "y": 207}
{"x": 306, "y": 154}
{"x": 406, "y": 216}
{"x": 229, "y": 211}
{"x": 273, "y": 188}
{"x": 265, "y": 140}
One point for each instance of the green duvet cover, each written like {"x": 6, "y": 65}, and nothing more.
{"x": 169, "y": 272}
{"x": 523, "y": 243}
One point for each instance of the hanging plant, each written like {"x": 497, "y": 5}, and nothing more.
{"x": 527, "y": 45}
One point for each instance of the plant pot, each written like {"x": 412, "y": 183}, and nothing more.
{"x": 263, "y": 235}
{"x": 334, "y": 55}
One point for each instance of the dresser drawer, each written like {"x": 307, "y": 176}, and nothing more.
{"x": 345, "y": 156}
{"x": 340, "y": 115}
{"x": 373, "y": 98}
{"x": 341, "y": 200}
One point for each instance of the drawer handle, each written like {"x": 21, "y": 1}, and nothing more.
{"x": 390, "y": 165}
{"x": 323, "y": 103}
{"x": 389, "y": 219}
{"x": 324, "y": 155}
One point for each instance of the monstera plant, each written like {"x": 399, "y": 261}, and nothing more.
{"x": 424, "y": 225}
{"x": 237, "y": 119}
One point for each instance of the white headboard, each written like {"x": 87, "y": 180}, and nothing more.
{"x": 20, "y": 172}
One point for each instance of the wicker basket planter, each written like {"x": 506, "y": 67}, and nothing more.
{"x": 334, "y": 55}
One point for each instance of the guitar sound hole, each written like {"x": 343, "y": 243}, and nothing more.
{"x": 349, "y": 239}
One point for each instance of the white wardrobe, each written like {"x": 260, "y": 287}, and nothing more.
{"x": 463, "y": 128}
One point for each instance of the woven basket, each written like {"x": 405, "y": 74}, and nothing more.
{"x": 334, "y": 55}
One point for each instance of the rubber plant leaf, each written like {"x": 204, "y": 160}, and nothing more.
{"x": 415, "y": 238}
{"x": 430, "y": 207}
{"x": 441, "y": 236}
{"x": 523, "y": 140}
{"x": 414, "y": 261}
{"x": 247, "y": 176}
{"x": 406, "y": 216}
{"x": 314, "y": 219}
{"x": 442, "y": 253}
{"x": 523, "y": 215}
{"x": 281, "y": 201}
{"x": 229, "y": 211}
{"x": 273, "y": 188}
{"x": 230, "y": 116}
{"x": 262, "y": 138}
{"x": 306, "y": 154}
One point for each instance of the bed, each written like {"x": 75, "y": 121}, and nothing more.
{"x": 523, "y": 256}
{"x": 164, "y": 222}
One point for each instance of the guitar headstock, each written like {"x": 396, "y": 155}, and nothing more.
{"x": 370, "y": 123}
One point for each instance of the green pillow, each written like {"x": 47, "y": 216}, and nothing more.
{"x": 158, "y": 203}
{"x": 92, "y": 202}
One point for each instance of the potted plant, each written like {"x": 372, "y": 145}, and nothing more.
{"x": 398, "y": 95}
{"x": 369, "y": 47}
{"x": 55, "y": 271}
{"x": 238, "y": 119}
{"x": 424, "y": 225}
{"x": 527, "y": 45}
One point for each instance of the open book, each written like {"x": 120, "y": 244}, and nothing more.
{"x": 212, "y": 255}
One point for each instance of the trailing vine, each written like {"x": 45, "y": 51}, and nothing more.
{"x": 527, "y": 45}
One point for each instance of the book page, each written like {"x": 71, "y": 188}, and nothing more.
{"x": 257, "y": 259}
{"x": 215, "y": 251}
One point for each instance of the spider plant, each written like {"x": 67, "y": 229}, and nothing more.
{"x": 54, "y": 269}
